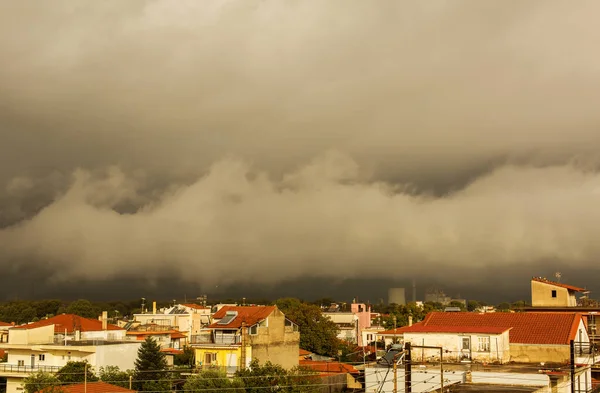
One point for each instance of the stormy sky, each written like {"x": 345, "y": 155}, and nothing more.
{"x": 250, "y": 143}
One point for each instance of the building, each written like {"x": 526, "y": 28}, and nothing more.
{"x": 531, "y": 337}
{"x": 352, "y": 324}
{"x": 50, "y": 343}
{"x": 186, "y": 318}
{"x": 163, "y": 335}
{"x": 242, "y": 333}
{"x": 545, "y": 293}
{"x": 397, "y": 296}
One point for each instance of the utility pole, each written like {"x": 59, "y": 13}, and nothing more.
{"x": 407, "y": 368}
{"x": 130, "y": 381}
{"x": 572, "y": 365}
{"x": 85, "y": 378}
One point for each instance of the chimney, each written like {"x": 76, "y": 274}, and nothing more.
{"x": 410, "y": 320}
{"x": 104, "y": 320}
{"x": 153, "y": 308}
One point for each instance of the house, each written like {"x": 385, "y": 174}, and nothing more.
{"x": 4, "y": 331}
{"x": 186, "y": 318}
{"x": 546, "y": 293}
{"x": 336, "y": 376}
{"x": 351, "y": 324}
{"x": 242, "y": 333}
{"x": 91, "y": 387}
{"x": 500, "y": 337}
{"x": 50, "y": 343}
{"x": 163, "y": 335}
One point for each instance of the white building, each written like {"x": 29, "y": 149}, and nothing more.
{"x": 50, "y": 343}
{"x": 186, "y": 318}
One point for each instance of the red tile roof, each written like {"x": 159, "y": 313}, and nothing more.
{"x": 141, "y": 334}
{"x": 328, "y": 367}
{"x": 172, "y": 351}
{"x": 558, "y": 284}
{"x": 249, "y": 315}
{"x": 5, "y": 324}
{"x": 92, "y": 387}
{"x": 304, "y": 352}
{"x": 71, "y": 323}
{"x": 526, "y": 328}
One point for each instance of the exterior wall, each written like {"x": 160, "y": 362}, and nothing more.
{"x": 363, "y": 313}
{"x": 185, "y": 323}
{"x": 228, "y": 357}
{"x": 121, "y": 355}
{"x": 451, "y": 342}
{"x": 104, "y": 335}
{"x": 535, "y": 353}
{"x": 347, "y": 323}
{"x": 541, "y": 295}
{"x": 40, "y": 335}
{"x": 276, "y": 342}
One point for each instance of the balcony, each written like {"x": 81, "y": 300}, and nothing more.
{"x": 13, "y": 368}
{"x": 216, "y": 339}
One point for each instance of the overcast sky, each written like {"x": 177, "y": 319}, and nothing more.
{"x": 257, "y": 141}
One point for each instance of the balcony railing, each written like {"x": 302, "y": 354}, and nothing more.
{"x": 13, "y": 368}
{"x": 217, "y": 339}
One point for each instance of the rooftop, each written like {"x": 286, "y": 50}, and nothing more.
{"x": 69, "y": 323}
{"x": 91, "y": 387}
{"x": 250, "y": 315}
{"x": 558, "y": 284}
{"x": 526, "y": 328}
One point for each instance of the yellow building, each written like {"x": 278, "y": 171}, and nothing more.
{"x": 241, "y": 334}
{"x": 545, "y": 293}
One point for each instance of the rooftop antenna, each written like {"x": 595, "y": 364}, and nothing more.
{"x": 558, "y": 275}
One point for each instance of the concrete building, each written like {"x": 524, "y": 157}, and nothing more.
{"x": 240, "y": 334}
{"x": 351, "y": 324}
{"x": 186, "y": 318}
{"x": 397, "y": 296}
{"x": 50, "y": 343}
{"x": 545, "y": 293}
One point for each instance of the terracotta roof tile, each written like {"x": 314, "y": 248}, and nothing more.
{"x": 5, "y": 324}
{"x": 558, "y": 284}
{"x": 526, "y": 328}
{"x": 304, "y": 352}
{"x": 92, "y": 387}
{"x": 249, "y": 315}
{"x": 71, "y": 323}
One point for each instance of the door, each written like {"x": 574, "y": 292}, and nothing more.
{"x": 465, "y": 349}
{"x": 32, "y": 361}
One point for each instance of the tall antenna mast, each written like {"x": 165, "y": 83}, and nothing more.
{"x": 558, "y": 275}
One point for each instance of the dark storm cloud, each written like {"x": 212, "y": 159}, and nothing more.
{"x": 268, "y": 140}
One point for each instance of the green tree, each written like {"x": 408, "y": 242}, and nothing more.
{"x": 83, "y": 308}
{"x": 318, "y": 333}
{"x": 456, "y": 303}
{"x": 504, "y": 306}
{"x": 473, "y": 305}
{"x": 114, "y": 375}
{"x": 150, "y": 367}
{"x": 213, "y": 380}
{"x": 74, "y": 372}
{"x": 186, "y": 358}
{"x": 41, "y": 380}
{"x": 272, "y": 377}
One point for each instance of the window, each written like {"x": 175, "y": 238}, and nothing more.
{"x": 20, "y": 362}
{"x": 41, "y": 357}
{"x": 554, "y": 293}
{"x": 466, "y": 343}
{"x": 369, "y": 337}
{"x": 210, "y": 358}
{"x": 483, "y": 344}
{"x": 254, "y": 329}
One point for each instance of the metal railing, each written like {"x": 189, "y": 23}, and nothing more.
{"x": 225, "y": 339}
{"x": 14, "y": 368}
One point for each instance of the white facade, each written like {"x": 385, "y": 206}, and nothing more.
{"x": 464, "y": 346}
{"x": 34, "y": 349}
